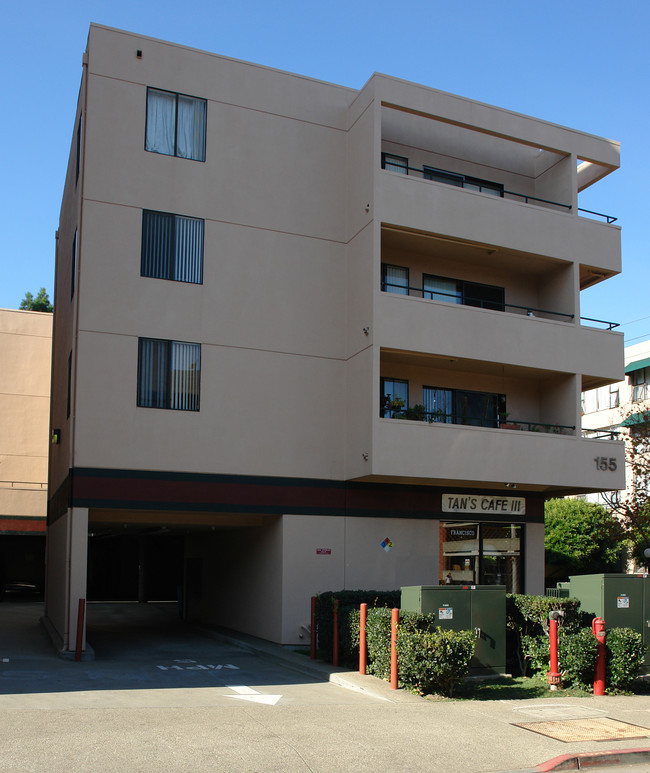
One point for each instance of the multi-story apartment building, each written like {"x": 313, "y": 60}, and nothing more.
{"x": 292, "y": 319}
{"x": 25, "y": 357}
{"x": 621, "y": 409}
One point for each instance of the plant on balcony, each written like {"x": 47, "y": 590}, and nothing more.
{"x": 503, "y": 421}
{"x": 392, "y": 406}
{"x": 414, "y": 413}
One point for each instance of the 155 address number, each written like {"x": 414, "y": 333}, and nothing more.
{"x": 605, "y": 463}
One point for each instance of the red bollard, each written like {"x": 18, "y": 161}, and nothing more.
{"x": 598, "y": 630}
{"x": 81, "y": 614}
{"x": 554, "y": 677}
{"x": 312, "y": 643}
{"x": 335, "y": 646}
{"x": 394, "y": 619}
{"x": 363, "y": 616}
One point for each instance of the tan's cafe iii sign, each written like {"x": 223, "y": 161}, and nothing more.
{"x": 472, "y": 503}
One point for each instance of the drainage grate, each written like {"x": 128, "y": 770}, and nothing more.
{"x": 574, "y": 730}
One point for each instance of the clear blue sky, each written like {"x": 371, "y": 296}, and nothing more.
{"x": 580, "y": 63}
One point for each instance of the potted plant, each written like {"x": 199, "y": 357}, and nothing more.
{"x": 503, "y": 421}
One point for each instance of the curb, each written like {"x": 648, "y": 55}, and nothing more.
{"x": 595, "y": 760}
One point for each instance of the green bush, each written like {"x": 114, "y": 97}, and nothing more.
{"x": 378, "y": 626}
{"x": 349, "y": 602}
{"x": 433, "y": 661}
{"x": 527, "y": 616}
{"x": 625, "y": 652}
{"x": 576, "y": 654}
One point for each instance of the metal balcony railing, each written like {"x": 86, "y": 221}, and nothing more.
{"x": 463, "y": 181}
{"x": 529, "y": 311}
{"x": 601, "y": 434}
{"x": 418, "y": 413}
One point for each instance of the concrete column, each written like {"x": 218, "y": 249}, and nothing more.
{"x": 67, "y": 554}
{"x": 534, "y": 556}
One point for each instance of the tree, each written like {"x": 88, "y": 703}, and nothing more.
{"x": 632, "y": 506}
{"x": 581, "y": 538}
{"x": 40, "y": 303}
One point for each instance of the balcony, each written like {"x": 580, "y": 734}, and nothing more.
{"x": 479, "y": 457}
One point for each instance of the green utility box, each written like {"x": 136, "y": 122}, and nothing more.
{"x": 622, "y": 600}
{"x": 481, "y": 608}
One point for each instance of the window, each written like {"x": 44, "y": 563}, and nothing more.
{"x": 462, "y": 181}
{"x": 172, "y": 247}
{"x": 175, "y": 124}
{"x": 69, "y": 395}
{"x": 78, "y": 163}
{"x": 462, "y": 406}
{"x": 394, "y": 279}
{"x": 73, "y": 267}
{"x": 639, "y": 381}
{"x": 169, "y": 374}
{"x": 440, "y": 288}
{"x": 394, "y": 396}
{"x": 391, "y": 163}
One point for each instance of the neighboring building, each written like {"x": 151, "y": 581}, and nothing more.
{"x": 617, "y": 409}
{"x": 257, "y": 274}
{"x": 25, "y": 354}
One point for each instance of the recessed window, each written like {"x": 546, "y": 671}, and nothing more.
{"x": 175, "y": 124}
{"x": 394, "y": 396}
{"x": 394, "y": 279}
{"x": 639, "y": 380}
{"x": 440, "y": 288}
{"x": 169, "y": 374}
{"x": 392, "y": 163}
{"x": 463, "y": 406}
{"x": 172, "y": 247}
{"x": 73, "y": 266}
{"x": 462, "y": 181}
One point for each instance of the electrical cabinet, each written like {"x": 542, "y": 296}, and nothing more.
{"x": 622, "y": 600}
{"x": 481, "y": 608}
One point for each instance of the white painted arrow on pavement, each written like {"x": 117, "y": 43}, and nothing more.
{"x": 248, "y": 694}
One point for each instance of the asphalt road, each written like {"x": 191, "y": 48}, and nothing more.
{"x": 162, "y": 696}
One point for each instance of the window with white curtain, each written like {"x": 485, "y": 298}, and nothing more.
{"x": 172, "y": 247}
{"x": 394, "y": 279}
{"x": 169, "y": 374}
{"x": 175, "y": 124}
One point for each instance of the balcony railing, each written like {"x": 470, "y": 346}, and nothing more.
{"x": 529, "y": 311}
{"x": 418, "y": 413}
{"x": 483, "y": 186}
{"x": 601, "y": 434}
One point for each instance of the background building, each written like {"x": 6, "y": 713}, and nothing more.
{"x": 25, "y": 354}
{"x": 310, "y": 337}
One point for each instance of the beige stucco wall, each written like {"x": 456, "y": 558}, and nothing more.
{"x": 25, "y": 352}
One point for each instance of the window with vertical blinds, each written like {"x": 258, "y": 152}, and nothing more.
{"x": 394, "y": 279}
{"x": 169, "y": 374}
{"x": 172, "y": 247}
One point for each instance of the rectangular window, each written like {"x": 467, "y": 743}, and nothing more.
{"x": 441, "y": 288}
{"x": 639, "y": 382}
{"x": 175, "y": 124}
{"x": 462, "y": 181}
{"x": 73, "y": 267}
{"x": 462, "y": 406}
{"x": 394, "y": 279}
{"x": 169, "y": 374}
{"x": 172, "y": 247}
{"x": 69, "y": 401}
{"x": 391, "y": 163}
{"x": 78, "y": 164}
{"x": 394, "y": 396}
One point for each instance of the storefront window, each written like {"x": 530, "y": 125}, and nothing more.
{"x": 481, "y": 554}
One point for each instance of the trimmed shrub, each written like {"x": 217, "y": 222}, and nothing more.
{"x": 576, "y": 654}
{"x": 527, "y": 616}
{"x": 378, "y": 642}
{"x": 349, "y": 602}
{"x": 433, "y": 661}
{"x": 625, "y": 652}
